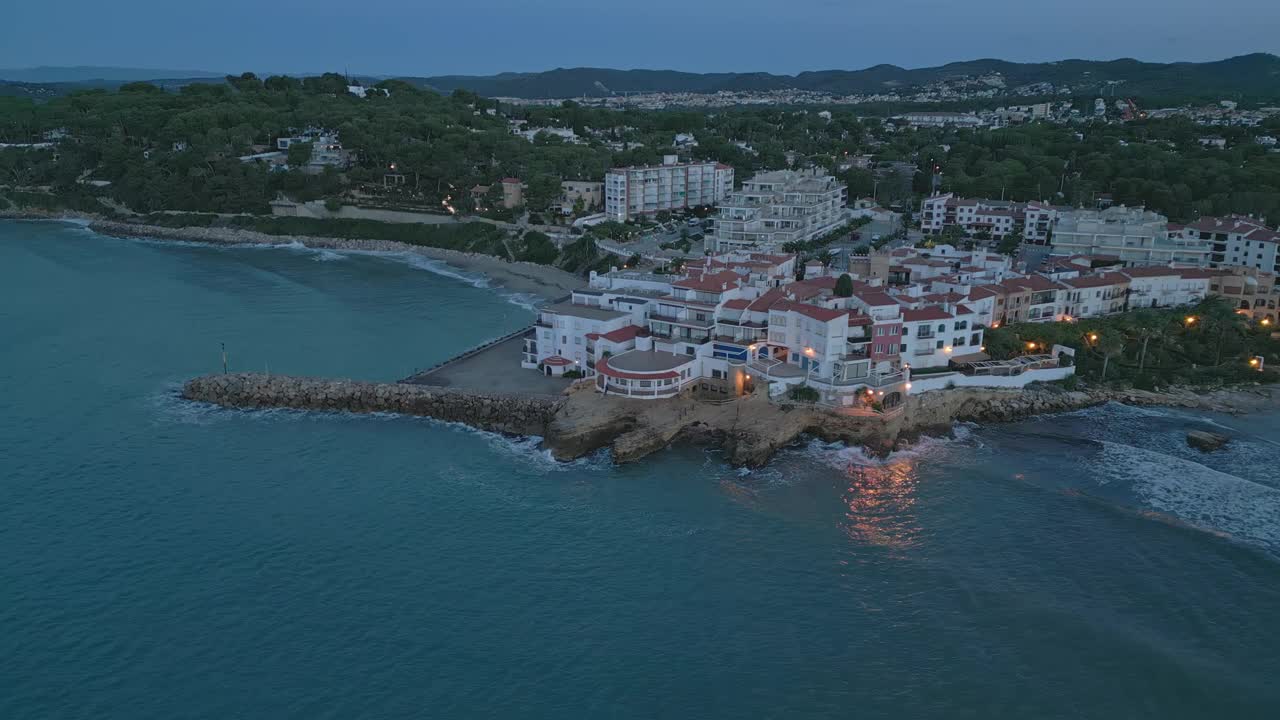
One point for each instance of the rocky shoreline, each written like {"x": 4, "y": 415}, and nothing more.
{"x": 750, "y": 430}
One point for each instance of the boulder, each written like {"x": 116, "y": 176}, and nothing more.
{"x": 1205, "y": 441}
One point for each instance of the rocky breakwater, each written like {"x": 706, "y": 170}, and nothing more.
{"x": 513, "y": 414}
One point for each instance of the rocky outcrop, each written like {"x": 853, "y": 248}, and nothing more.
{"x": 519, "y": 415}
{"x": 1206, "y": 441}
{"x": 750, "y": 430}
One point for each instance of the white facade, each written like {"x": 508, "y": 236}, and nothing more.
{"x": 778, "y": 207}
{"x": 1136, "y": 236}
{"x": 633, "y": 192}
{"x": 1237, "y": 242}
{"x": 932, "y": 335}
{"x": 1154, "y": 287}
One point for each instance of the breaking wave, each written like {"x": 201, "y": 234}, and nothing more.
{"x": 1203, "y": 497}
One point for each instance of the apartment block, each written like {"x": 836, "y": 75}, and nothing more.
{"x": 1236, "y": 241}
{"x": 997, "y": 217}
{"x": 1134, "y": 236}
{"x": 777, "y": 207}
{"x": 634, "y": 192}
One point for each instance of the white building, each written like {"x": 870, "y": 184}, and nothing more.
{"x": 778, "y": 207}
{"x": 633, "y": 192}
{"x": 1094, "y": 295}
{"x": 934, "y": 335}
{"x": 997, "y": 217}
{"x": 1134, "y": 235}
{"x": 1236, "y": 241}
{"x": 940, "y": 119}
{"x": 1158, "y": 287}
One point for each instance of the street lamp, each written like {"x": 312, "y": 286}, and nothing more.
{"x": 1189, "y": 320}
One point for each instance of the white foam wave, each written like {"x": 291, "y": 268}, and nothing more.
{"x": 1200, "y": 495}
{"x": 328, "y": 256}
{"x": 841, "y": 456}
{"x": 442, "y": 268}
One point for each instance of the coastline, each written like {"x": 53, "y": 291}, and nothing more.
{"x": 543, "y": 281}
{"x": 750, "y": 431}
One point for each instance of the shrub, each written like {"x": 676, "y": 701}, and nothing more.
{"x": 572, "y": 374}
{"x": 1070, "y": 382}
{"x": 332, "y": 204}
{"x": 804, "y": 393}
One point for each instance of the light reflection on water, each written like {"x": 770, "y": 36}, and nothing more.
{"x": 880, "y": 501}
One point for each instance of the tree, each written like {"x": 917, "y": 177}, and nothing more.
{"x": 299, "y": 154}
{"x": 662, "y": 216}
{"x": 543, "y": 190}
{"x": 1110, "y": 345}
{"x": 952, "y": 234}
{"x": 1143, "y": 325}
{"x": 1010, "y": 243}
{"x": 844, "y": 286}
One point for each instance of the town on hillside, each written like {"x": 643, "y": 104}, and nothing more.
{"x": 862, "y": 330}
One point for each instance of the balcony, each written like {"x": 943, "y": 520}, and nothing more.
{"x": 703, "y": 324}
{"x": 926, "y": 335}
{"x": 924, "y": 351}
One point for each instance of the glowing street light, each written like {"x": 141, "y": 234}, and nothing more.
{"x": 1093, "y": 337}
{"x": 1265, "y": 321}
{"x": 1189, "y": 320}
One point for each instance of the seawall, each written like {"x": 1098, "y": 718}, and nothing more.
{"x": 514, "y": 414}
{"x": 750, "y": 430}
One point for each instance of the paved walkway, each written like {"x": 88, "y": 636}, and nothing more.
{"x": 496, "y": 369}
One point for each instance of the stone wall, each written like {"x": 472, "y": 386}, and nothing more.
{"x": 521, "y": 415}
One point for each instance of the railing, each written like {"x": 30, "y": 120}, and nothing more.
{"x": 653, "y": 317}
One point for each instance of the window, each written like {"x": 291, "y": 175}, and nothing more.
{"x": 938, "y": 346}
{"x": 962, "y": 324}
{"x": 942, "y": 327}
{"x": 959, "y": 342}
{"x": 902, "y": 348}
{"x": 577, "y": 340}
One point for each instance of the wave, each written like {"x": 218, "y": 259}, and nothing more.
{"x": 328, "y": 256}
{"x": 1206, "y": 498}
{"x": 840, "y": 455}
{"x": 442, "y": 268}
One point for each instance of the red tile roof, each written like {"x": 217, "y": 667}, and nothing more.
{"x": 875, "y": 298}
{"x": 713, "y": 283}
{"x": 737, "y": 304}
{"x": 813, "y": 311}
{"x": 932, "y": 312}
{"x": 623, "y": 334}
{"x": 557, "y": 361}
{"x": 1094, "y": 281}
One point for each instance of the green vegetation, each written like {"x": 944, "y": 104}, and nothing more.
{"x": 1208, "y": 344}
{"x": 844, "y": 286}
{"x": 804, "y": 393}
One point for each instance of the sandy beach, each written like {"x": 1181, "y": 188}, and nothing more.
{"x": 542, "y": 281}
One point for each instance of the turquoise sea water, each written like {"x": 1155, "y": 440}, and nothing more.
{"x": 160, "y": 559}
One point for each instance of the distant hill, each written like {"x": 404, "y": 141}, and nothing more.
{"x": 1256, "y": 75}
{"x": 88, "y": 73}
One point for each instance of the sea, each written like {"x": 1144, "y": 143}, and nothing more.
{"x": 162, "y": 559}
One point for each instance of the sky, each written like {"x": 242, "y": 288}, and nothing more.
{"x": 427, "y": 37}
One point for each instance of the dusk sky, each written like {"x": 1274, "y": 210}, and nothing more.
{"x": 426, "y": 38}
